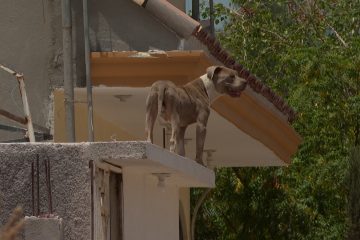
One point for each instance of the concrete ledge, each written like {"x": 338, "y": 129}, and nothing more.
{"x": 43, "y": 228}
{"x": 149, "y": 158}
{"x": 140, "y": 155}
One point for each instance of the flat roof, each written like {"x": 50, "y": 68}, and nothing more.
{"x": 245, "y": 131}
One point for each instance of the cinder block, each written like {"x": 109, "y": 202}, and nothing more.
{"x": 43, "y": 228}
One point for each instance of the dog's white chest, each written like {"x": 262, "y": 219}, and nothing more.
{"x": 210, "y": 88}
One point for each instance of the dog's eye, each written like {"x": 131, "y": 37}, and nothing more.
{"x": 230, "y": 79}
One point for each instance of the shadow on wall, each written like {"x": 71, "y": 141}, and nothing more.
{"x": 122, "y": 25}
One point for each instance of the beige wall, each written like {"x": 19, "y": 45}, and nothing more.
{"x": 150, "y": 212}
{"x": 103, "y": 131}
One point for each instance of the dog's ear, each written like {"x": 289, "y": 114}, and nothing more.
{"x": 212, "y": 71}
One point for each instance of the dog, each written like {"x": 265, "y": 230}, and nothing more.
{"x": 188, "y": 104}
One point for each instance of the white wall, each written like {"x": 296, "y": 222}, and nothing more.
{"x": 150, "y": 212}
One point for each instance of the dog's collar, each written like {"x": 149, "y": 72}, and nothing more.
{"x": 210, "y": 88}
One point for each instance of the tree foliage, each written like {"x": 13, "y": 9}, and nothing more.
{"x": 308, "y": 52}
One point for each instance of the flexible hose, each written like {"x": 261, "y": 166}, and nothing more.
{"x": 196, "y": 210}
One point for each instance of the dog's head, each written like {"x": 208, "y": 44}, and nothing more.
{"x": 226, "y": 80}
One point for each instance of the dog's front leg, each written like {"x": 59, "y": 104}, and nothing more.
{"x": 180, "y": 141}
{"x": 201, "y": 134}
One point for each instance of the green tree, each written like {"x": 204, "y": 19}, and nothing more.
{"x": 309, "y": 53}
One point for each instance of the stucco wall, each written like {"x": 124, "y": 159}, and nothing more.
{"x": 70, "y": 180}
{"x": 123, "y": 25}
{"x": 30, "y": 43}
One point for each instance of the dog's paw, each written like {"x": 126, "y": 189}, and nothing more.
{"x": 200, "y": 161}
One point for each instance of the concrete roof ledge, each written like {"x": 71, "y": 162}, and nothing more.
{"x": 140, "y": 156}
{"x": 148, "y": 159}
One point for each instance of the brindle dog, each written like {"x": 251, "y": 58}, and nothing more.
{"x": 182, "y": 106}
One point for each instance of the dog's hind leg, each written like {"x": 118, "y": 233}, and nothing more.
{"x": 200, "y": 135}
{"x": 151, "y": 115}
{"x": 174, "y": 132}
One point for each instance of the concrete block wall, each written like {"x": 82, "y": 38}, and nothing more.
{"x": 70, "y": 180}
{"x": 43, "y": 228}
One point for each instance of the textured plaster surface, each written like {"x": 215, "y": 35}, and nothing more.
{"x": 43, "y": 228}
{"x": 70, "y": 180}
{"x": 123, "y": 26}
{"x": 30, "y": 37}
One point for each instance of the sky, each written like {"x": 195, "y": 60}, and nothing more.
{"x": 225, "y": 2}
{"x": 188, "y": 3}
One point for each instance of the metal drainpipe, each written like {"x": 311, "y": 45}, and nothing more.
{"x": 88, "y": 76}
{"x": 212, "y": 25}
{"x": 68, "y": 78}
{"x": 195, "y": 10}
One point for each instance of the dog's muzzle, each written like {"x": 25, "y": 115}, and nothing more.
{"x": 236, "y": 91}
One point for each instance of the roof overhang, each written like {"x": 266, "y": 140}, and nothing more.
{"x": 141, "y": 69}
{"x": 245, "y": 131}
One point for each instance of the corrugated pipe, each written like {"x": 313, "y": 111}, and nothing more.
{"x": 68, "y": 75}
{"x": 196, "y": 210}
{"x": 175, "y": 19}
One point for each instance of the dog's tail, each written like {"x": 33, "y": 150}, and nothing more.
{"x": 161, "y": 94}
{"x": 154, "y": 107}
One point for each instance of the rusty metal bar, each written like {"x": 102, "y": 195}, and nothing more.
{"x": 23, "y": 121}
{"x": 13, "y": 117}
{"x": 50, "y": 193}
{"x": 91, "y": 166}
{"x": 39, "y": 136}
{"x": 33, "y": 188}
{"x": 38, "y": 185}
{"x": 48, "y": 184}
{"x": 28, "y": 121}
